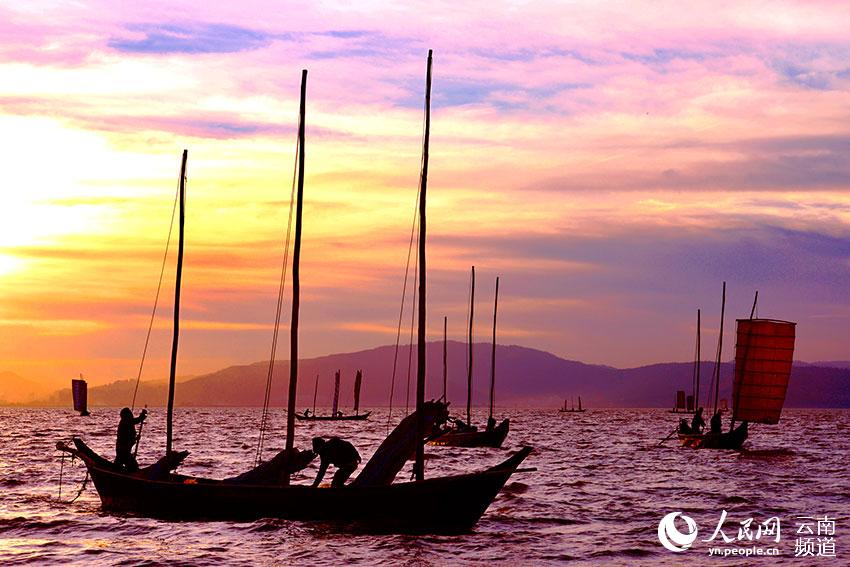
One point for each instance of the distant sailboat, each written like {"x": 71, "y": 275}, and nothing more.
{"x": 465, "y": 434}
{"x": 337, "y": 415}
{"x": 572, "y": 408}
{"x": 685, "y": 403}
{"x": 79, "y": 390}
{"x": 764, "y": 353}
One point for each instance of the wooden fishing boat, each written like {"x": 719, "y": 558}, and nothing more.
{"x": 448, "y": 504}
{"x": 358, "y": 417}
{"x": 337, "y": 415}
{"x": 764, "y": 353}
{"x": 572, "y": 408}
{"x": 459, "y": 438}
{"x": 451, "y": 504}
{"x": 464, "y": 434}
{"x": 729, "y": 440}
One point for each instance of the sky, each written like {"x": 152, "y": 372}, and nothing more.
{"x": 612, "y": 162}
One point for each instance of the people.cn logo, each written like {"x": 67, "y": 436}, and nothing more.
{"x": 671, "y": 538}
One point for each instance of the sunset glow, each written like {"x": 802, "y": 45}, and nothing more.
{"x": 612, "y": 167}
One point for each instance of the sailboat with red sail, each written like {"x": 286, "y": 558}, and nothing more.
{"x": 447, "y": 504}
{"x": 764, "y": 353}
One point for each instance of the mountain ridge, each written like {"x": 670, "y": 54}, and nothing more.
{"x": 525, "y": 377}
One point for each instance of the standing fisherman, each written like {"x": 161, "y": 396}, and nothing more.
{"x": 127, "y": 438}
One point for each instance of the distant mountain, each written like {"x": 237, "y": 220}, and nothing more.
{"x": 525, "y": 377}
{"x": 833, "y": 363}
{"x": 15, "y": 389}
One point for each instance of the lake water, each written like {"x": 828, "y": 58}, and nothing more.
{"x": 601, "y": 488}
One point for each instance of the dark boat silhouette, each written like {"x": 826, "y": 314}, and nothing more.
{"x": 357, "y": 417}
{"x": 438, "y": 505}
{"x": 465, "y": 434}
{"x": 764, "y": 353}
{"x": 79, "y": 391}
{"x": 572, "y": 409}
{"x": 335, "y": 414}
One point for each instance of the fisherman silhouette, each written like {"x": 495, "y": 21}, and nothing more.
{"x": 716, "y": 422}
{"x": 126, "y": 439}
{"x": 697, "y": 423}
{"x": 336, "y": 452}
{"x": 491, "y": 423}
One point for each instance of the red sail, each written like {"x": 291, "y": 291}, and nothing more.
{"x": 763, "y": 356}
{"x": 79, "y": 390}
{"x": 680, "y": 400}
{"x": 336, "y": 394}
{"x": 358, "y": 380}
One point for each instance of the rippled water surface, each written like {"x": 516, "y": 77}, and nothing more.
{"x": 601, "y": 488}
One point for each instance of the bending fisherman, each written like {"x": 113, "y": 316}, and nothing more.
{"x": 126, "y": 438}
{"x": 336, "y": 452}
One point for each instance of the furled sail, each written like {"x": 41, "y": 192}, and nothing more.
{"x": 79, "y": 389}
{"x": 763, "y": 356}
{"x": 336, "y": 394}
{"x": 358, "y": 380}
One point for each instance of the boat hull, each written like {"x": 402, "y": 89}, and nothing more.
{"x": 359, "y": 417}
{"x": 487, "y": 438}
{"x": 440, "y": 505}
{"x": 730, "y": 440}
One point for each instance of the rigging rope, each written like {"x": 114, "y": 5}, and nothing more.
{"x": 401, "y": 309}
{"x": 281, "y": 289}
{"x": 156, "y": 298}
{"x": 407, "y": 266}
{"x": 61, "y": 471}
{"x": 412, "y": 326}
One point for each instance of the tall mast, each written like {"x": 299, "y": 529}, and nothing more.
{"x": 719, "y": 351}
{"x": 445, "y": 368}
{"x": 169, "y": 430}
{"x": 755, "y": 304}
{"x": 493, "y": 356}
{"x": 469, "y": 346}
{"x": 315, "y": 394}
{"x": 419, "y": 464}
{"x": 697, "y": 364}
{"x": 296, "y": 283}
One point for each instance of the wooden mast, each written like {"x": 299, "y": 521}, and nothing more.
{"x": 315, "y": 393}
{"x": 419, "y": 464}
{"x": 755, "y": 304}
{"x": 719, "y": 351}
{"x": 296, "y": 284}
{"x": 445, "y": 368}
{"x": 469, "y": 345}
{"x": 493, "y": 355}
{"x": 697, "y": 364}
{"x": 169, "y": 430}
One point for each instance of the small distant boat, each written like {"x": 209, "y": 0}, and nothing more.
{"x": 337, "y": 415}
{"x": 685, "y": 403}
{"x": 764, "y": 352}
{"x": 79, "y": 389}
{"x": 572, "y": 408}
